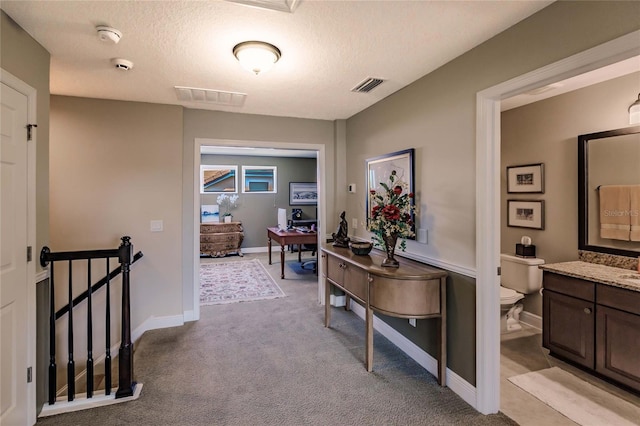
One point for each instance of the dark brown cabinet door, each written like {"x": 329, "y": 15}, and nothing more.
{"x": 569, "y": 327}
{"x": 618, "y": 346}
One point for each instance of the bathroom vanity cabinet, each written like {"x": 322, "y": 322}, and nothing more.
{"x": 593, "y": 324}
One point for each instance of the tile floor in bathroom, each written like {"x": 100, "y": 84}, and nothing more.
{"x": 522, "y": 352}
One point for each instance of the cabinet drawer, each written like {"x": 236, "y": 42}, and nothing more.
{"x": 216, "y": 247}
{"x": 570, "y": 286}
{"x": 356, "y": 281}
{"x": 618, "y": 298}
{"x": 417, "y": 298}
{"x": 217, "y": 228}
{"x": 335, "y": 269}
{"x": 220, "y": 238}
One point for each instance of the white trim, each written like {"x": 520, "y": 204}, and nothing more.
{"x": 488, "y": 199}
{"x": 532, "y": 320}
{"x": 188, "y": 316}
{"x": 154, "y": 323}
{"x": 82, "y": 403}
{"x": 321, "y": 179}
{"x": 31, "y": 94}
{"x": 41, "y": 276}
{"x": 264, "y": 249}
{"x": 438, "y": 263}
{"x": 457, "y": 384}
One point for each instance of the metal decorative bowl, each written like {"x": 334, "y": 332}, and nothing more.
{"x": 361, "y": 248}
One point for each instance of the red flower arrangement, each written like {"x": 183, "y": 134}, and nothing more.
{"x": 391, "y": 211}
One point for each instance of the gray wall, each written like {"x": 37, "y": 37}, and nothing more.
{"x": 436, "y": 115}
{"x": 547, "y": 132}
{"x": 26, "y": 59}
{"x": 257, "y": 211}
{"x": 109, "y": 181}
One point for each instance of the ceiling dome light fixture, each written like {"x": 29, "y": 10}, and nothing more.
{"x": 256, "y": 56}
{"x": 634, "y": 112}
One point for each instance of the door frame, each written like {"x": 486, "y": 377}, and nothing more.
{"x": 488, "y": 171}
{"x": 31, "y": 94}
{"x": 322, "y": 185}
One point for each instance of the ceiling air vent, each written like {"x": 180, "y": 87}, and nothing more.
{"x": 207, "y": 96}
{"x": 367, "y": 85}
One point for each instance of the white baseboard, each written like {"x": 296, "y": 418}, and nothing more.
{"x": 457, "y": 384}
{"x": 258, "y": 249}
{"x": 83, "y": 403}
{"x": 531, "y": 320}
{"x": 154, "y": 323}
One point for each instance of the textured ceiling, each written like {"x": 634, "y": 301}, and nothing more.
{"x": 327, "y": 47}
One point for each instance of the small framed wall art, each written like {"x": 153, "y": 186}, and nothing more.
{"x": 525, "y": 214}
{"x": 528, "y": 179}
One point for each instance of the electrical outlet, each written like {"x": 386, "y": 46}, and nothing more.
{"x": 354, "y": 223}
{"x": 412, "y": 322}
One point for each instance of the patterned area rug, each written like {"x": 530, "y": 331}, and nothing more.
{"x": 239, "y": 281}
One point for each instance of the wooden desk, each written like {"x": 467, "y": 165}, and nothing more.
{"x": 413, "y": 290}
{"x": 289, "y": 237}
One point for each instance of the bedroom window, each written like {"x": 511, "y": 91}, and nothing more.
{"x": 260, "y": 179}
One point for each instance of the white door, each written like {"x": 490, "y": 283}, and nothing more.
{"x": 13, "y": 258}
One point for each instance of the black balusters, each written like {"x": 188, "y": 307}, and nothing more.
{"x": 52, "y": 339}
{"x": 125, "y": 368}
{"x": 89, "y": 334}
{"x": 125, "y": 355}
{"x": 107, "y": 359}
{"x": 71, "y": 368}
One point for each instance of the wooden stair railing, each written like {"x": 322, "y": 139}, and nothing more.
{"x": 126, "y": 385}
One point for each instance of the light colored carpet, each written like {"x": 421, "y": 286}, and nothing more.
{"x": 582, "y": 402}
{"x": 273, "y": 363}
{"x": 238, "y": 281}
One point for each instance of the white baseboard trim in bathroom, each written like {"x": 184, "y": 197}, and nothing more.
{"x": 457, "y": 384}
{"x": 531, "y": 320}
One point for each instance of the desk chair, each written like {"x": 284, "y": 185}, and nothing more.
{"x": 312, "y": 263}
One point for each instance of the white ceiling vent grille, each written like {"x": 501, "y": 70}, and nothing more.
{"x": 207, "y": 96}
{"x": 367, "y": 85}
{"x": 288, "y": 6}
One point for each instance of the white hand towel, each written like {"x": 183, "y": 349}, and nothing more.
{"x": 634, "y": 212}
{"x": 615, "y": 222}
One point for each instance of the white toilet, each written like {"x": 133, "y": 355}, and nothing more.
{"x": 519, "y": 276}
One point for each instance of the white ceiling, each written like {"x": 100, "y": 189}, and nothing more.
{"x": 328, "y": 47}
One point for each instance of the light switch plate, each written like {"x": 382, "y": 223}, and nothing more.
{"x": 156, "y": 226}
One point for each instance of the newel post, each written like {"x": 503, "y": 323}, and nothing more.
{"x": 125, "y": 383}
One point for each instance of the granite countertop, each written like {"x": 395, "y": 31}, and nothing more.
{"x": 617, "y": 277}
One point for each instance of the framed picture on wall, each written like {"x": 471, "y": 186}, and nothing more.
{"x": 380, "y": 168}
{"x": 303, "y": 193}
{"x": 528, "y": 178}
{"x": 525, "y": 214}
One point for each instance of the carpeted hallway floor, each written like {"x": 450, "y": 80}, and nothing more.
{"x": 272, "y": 362}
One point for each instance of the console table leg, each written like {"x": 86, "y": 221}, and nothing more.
{"x": 442, "y": 361}
{"x": 327, "y": 304}
{"x": 269, "y": 248}
{"x": 281, "y": 261}
{"x": 347, "y": 302}
{"x": 369, "y": 342}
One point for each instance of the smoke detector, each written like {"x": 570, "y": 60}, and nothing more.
{"x": 108, "y": 34}
{"x": 122, "y": 64}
